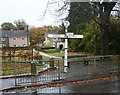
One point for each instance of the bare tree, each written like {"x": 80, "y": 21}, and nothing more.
{"x": 102, "y": 8}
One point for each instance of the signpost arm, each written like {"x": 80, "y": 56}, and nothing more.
{"x": 66, "y": 36}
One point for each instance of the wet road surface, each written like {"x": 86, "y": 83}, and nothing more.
{"x": 76, "y": 72}
{"x": 102, "y": 86}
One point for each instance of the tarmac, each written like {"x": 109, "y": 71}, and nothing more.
{"x": 110, "y": 86}
{"x": 75, "y": 74}
{"x": 102, "y": 86}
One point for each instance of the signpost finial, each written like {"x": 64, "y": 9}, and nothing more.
{"x": 66, "y": 23}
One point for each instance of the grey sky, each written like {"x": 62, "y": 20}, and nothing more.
{"x": 29, "y": 10}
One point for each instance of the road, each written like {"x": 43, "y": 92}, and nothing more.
{"x": 102, "y": 86}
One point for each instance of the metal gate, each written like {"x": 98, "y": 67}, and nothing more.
{"x": 51, "y": 71}
{"x": 38, "y": 71}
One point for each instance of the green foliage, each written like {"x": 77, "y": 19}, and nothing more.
{"x": 79, "y": 13}
{"x": 43, "y": 48}
{"x": 51, "y": 50}
{"x": 84, "y": 12}
{"x": 114, "y": 36}
{"x": 91, "y": 41}
{"x": 32, "y": 42}
{"x": 80, "y": 29}
{"x": 74, "y": 44}
{"x": 7, "y": 26}
{"x": 20, "y": 24}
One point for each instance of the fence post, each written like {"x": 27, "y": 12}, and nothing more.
{"x": 15, "y": 75}
{"x": 58, "y": 70}
{"x": 40, "y": 57}
{"x": 32, "y": 52}
{"x": 52, "y": 63}
{"x": 10, "y": 56}
{"x": 94, "y": 65}
{"x": 33, "y": 67}
{"x": 59, "y": 75}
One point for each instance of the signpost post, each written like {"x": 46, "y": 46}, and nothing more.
{"x": 65, "y": 36}
{"x": 66, "y": 24}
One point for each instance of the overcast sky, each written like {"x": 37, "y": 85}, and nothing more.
{"x": 29, "y": 10}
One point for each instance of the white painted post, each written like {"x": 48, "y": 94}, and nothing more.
{"x": 65, "y": 36}
{"x": 66, "y": 49}
{"x": 66, "y": 23}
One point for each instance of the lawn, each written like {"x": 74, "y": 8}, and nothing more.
{"x": 18, "y": 55}
{"x": 8, "y": 67}
{"x": 61, "y": 54}
{"x": 21, "y": 68}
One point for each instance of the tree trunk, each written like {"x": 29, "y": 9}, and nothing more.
{"x": 104, "y": 41}
{"x": 105, "y": 10}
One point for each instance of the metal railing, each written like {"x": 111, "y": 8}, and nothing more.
{"x": 52, "y": 71}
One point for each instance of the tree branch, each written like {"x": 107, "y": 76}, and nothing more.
{"x": 96, "y": 21}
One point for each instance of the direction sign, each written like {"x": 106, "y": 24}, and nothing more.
{"x": 56, "y": 35}
{"x": 76, "y": 36}
{"x": 64, "y": 36}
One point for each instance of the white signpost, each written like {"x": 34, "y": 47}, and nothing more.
{"x": 65, "y": 36}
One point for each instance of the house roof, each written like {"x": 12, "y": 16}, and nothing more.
{"x": 14, "y": 33}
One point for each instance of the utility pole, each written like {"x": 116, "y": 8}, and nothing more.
{"x": 27, "y": 36}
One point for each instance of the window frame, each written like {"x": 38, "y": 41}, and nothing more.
{"x": 14, "y": 38}
{"x": 23, "y": 45}
{"x": 23, "y": 38}
{"x": 2, "y": 39}
{"x": 3, "y": 45}
{"x": 15, "y": 45}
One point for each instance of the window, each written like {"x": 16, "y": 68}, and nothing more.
{"x": 23, "y": 38}
{"x": 0, "y": 45}
{"x": 3, "y": 45}
{"x": 3, "y": 39}
{"x": 14, "y": 38}
{"x": 23, "y": 44}
{"x": 15, "y": 45}
{"x": 54, "y": 39}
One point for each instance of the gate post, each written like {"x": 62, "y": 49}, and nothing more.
{"x": 40, "y": 57}
{"x": 15, "y": 75}
{"x": 33, "y": 67}
{"x": 52, "y": 63}
{"x": 94, "y": 65}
